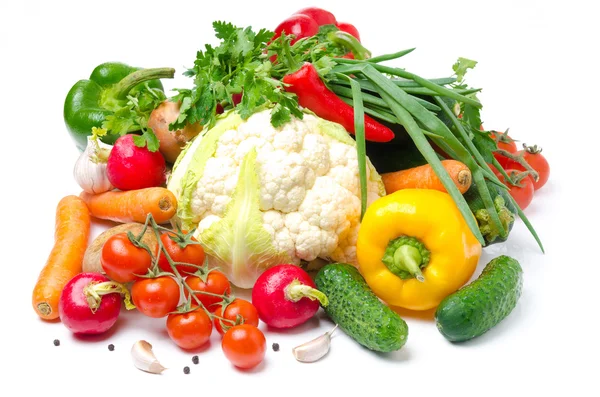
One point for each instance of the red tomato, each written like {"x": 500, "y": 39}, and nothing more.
{"x": 319, "y": 15}
{"x": 348, "y": 28}
{"x": 505, "y": 142}
{"x": 189, "y": 330}
{"x": 534, "y": 157}
{"x": 192, "y": 253}
{"x": 522, "y": 194}
{"x": 155, "y": 297}
{"x": 216, "y": 283}
{"x": 244, "y": 346}
{"x": 122, "y": 261}
{"x": 239, "y": 307}
{"x": 300, "y": 26}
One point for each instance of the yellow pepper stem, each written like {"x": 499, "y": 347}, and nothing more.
{"x": 409, "y": 258}
{"x": 405, "y": 256}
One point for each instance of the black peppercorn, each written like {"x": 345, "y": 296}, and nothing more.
{"x": 276, "y": 347}
{"x": 56, "y": 342}
{"x": 111, "y": 347}
{"x": 195, "y": 360}
{"x": 186, "y": 370}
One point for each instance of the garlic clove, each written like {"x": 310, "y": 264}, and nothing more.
{"x": 144, "y": 358}
{"x": 315, "y": 349}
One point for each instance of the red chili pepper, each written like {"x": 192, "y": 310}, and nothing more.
{"x": 300, "y": 26}
{"x": 321, "y": 16}
{"x": 314, "y": 95}
{"x": 348, "y": 28}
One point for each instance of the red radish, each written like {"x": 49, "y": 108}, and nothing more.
{"x": 130, "y": 167}
{"x": 285, "y": 296}
{"x": 90, "y": 303}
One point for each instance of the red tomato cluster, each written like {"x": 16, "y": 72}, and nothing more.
{"x": 156, "y": 292}
{"x": 523, "y": 184}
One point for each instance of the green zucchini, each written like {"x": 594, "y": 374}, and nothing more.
{"x": 504, "y": 207}
{"x": 479, "y": 306}
{"x": 358, "y": 311}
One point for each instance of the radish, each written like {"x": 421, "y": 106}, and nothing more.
{"x": 285, "y": 296}
{"x": 90, "y": 303}
{"x": 130, "y": 167}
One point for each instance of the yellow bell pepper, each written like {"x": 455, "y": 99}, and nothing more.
{"x": 415, "y": 248}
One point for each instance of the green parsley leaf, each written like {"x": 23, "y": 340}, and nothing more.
{"x": 461, "y": 66}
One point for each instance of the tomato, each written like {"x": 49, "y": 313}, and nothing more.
{"x": 189, "y": 330}
{"x": 216, "y": 283}
{"x": 239, "y": 307}
{"x": 122, "y": 261}
{"x": 522, "y": 194}
{"x": 192, "y": 253}
{"x": 534, "y": 157}
{"x": 504, "y": 141}
{"x": 244, "y": 346}
{"x": 155, "y": 297}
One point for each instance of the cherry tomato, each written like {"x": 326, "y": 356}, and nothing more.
{"x": 192, "y": 253}
{"x": 319, "y": 15}
{"x": 522, "y": 194}
{"x": 216, "y": 283}
{"x": 534, "y": 157}
{"x": 300, "y": 26}
{"x": 348, "y": 28}
{"x": 239, "y": 307}
{"x": 505, "y": 142}
{"x": 244, "y": 346}
{"x": 122, "y": 261}
{"x": 155, "y": 297}
{"x": 189, "y": 330}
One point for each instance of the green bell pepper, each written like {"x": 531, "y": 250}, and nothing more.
{"x": 113, "y": 90}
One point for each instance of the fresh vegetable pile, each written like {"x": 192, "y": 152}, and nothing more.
{"x": 295, "y": 150}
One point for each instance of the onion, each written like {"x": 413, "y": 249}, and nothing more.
{"x": 171, "y": 142}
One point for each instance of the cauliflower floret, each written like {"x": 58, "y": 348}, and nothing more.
{"x": 308, "y": 190}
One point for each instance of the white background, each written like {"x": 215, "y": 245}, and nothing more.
{"x": 538, "y": 68}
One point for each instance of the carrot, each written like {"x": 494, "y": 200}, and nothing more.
{"x": 132, "y": 205}
{"x": 71, "y": 234}
{"x": 423, "y": 177}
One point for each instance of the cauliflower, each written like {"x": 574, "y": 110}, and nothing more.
{"x": 259, "y": 195}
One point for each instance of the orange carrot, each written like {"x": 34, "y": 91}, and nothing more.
{"x": 66, "y": 258}
{"x": 423, "y": 177}
{"x": 132, "y": 205}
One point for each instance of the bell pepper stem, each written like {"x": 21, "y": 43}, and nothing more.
{"x": 410, "y": 258}
{"x": 295, "y": 291}
{"x": 405, "y": 256}
{"x": 122, "y": 88}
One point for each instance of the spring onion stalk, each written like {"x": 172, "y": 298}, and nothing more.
{"x": 361, "y": 146}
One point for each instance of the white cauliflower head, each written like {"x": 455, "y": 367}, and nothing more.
{"x": 260, "y": 195}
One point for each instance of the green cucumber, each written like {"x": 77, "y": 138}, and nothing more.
{"x": 479, "y": 306}
{"x": 358, "y": 311}
{"x": 504, "y": 207}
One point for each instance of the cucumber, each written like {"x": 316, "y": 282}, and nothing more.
{"x": 358, "y": 311}
{"x": 479, "y": 306}
{"x": 504, "y": 207}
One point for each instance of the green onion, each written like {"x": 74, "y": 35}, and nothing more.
{"x": 361, "y": 146}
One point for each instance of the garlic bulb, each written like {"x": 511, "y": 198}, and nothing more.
{"x": 90, "y": 168}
